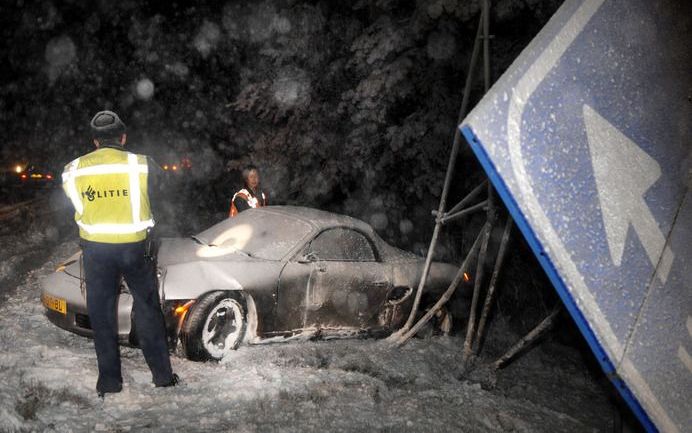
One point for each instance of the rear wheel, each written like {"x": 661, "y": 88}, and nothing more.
{"x": 214, "y": 326}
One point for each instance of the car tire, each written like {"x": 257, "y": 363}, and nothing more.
{"x": 214, "y": 326}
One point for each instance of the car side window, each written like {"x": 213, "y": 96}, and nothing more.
{"x": 342, "y": 244}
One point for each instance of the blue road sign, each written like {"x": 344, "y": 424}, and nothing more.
{"x": 588, "y": 139}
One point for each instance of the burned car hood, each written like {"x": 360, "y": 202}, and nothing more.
{"x": 174, "y": 251}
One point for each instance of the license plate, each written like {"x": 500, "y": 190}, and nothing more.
{"x": 55, "y": 304}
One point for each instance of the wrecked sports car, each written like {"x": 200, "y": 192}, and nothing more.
{"x": 268, "y": 274}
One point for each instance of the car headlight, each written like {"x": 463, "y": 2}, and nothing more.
{"x": 174, "y": 315}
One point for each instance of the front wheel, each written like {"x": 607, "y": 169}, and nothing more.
{"x": 214, "y": 326}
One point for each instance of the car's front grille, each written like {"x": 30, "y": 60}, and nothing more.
{"x": 82, "y": 321}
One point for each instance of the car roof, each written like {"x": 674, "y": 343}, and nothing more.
{"x": 318, "y": 218}
{"x": 321, "y": 220}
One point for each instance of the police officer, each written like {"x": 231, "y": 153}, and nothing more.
{"x": 108, "y": 188}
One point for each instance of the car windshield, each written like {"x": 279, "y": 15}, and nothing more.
{"x": 257, "y": 233}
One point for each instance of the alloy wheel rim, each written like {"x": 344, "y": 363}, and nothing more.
{"x": 222, "y": 328}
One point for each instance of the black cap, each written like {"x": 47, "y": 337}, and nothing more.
{"x": 107, "y": 124}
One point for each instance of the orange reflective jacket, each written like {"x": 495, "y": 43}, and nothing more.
{"x": 251, "y": 200}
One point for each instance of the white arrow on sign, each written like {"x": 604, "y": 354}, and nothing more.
{"x": 623, "y": 174}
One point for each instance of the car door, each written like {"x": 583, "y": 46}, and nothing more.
{"x": 291, "y": 301}
{"x": 347, "y": 285}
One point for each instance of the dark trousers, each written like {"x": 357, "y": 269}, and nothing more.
{"x": 104, "y": 264}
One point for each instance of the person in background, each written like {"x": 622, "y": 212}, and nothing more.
{"x": 109, "y": 189}
{"x": 251, "y": 196}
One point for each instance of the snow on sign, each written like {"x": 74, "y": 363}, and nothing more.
{"x": 588, "y": 139}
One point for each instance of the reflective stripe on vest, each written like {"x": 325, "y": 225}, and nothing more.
{"x": 134, "y": 169}
{"x": 251, "y": 200}
{"x": 116, "y": 229}
{"x": 68, "y": 179}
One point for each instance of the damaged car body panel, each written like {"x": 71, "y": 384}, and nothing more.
{"x": 271, "y": 273}
{"x": 257, "y": 279}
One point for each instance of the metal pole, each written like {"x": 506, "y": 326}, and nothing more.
{"x": 489, "y": 298}
{"x": 446, "y": 295}
{"x": 445, "y": 189}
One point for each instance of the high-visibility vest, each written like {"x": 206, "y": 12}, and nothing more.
{"x": 251, "y": 200}
{"x": 108, "y": 189}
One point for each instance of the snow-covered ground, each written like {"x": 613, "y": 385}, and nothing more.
{"x": 48, "y": 377}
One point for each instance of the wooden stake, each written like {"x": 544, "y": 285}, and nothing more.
{"x": 466, "y": 200}
{"x": 448, "y": 180}
{"x": 403, "y": 338}
{"x": 532, "y": 336}
{"x": 476, "y": 291}
{"x": 490, "y": 296}
{"x": 480, "y": 272}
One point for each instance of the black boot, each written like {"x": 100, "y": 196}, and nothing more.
{"x": 173, "y": 382}
{"x": 101, "y": 392}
